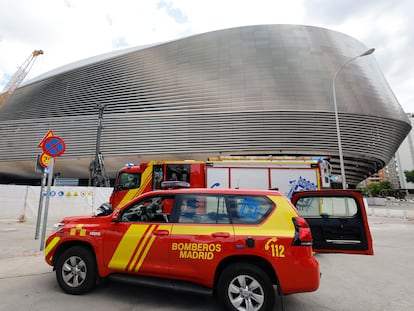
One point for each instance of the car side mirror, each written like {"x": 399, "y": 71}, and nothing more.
{"x": 115, "y": 216}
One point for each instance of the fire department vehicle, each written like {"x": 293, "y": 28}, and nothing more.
{"x": 236, "y": 244}
{"x": 286, "y": 174}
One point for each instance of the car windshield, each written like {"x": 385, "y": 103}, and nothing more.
{"x": 129, "y": 181}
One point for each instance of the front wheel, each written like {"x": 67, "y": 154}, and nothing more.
{"x": 245, "y": 287}
{"x": 76, "y": 270}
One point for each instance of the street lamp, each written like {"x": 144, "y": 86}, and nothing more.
{"x": 338, "y": 131}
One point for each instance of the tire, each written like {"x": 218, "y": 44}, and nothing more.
{"x": 76, "y": 270}
{"x": 245, "y": 287}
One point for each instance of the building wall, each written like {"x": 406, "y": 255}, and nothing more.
{"x": 392, "y": 174}
{"x": 255, "y": 90}
{"x": 405, "y": 157}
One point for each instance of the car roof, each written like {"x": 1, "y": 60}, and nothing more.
{"x": 217, "y": 191}
{"x": 201, "y": 191}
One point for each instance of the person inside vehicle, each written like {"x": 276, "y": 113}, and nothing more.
{"x": 189, "y": 209}
{"x": 131, "y": 182}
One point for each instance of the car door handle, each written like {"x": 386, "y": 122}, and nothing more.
{"x": 161, "y": 232}
{"x": 220, "y": 235}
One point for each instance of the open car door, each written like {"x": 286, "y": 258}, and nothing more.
{"x": 337, "y": 219}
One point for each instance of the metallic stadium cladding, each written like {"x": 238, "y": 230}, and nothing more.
{"x": 256, "y": 90}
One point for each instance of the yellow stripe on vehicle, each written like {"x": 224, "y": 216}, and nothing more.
{"x": 201, "y": 230}
{"x": 51, "y": 245}
{"x": 78, "y": 229}
{"x": 146, "y": 179}
{"x": 145, "y": 253}
{"x": 134, "y": 247}
{"x": 141, "y": 245}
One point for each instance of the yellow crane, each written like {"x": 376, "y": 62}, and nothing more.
{"x": 18, "y": 77}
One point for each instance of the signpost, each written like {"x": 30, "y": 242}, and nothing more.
{"x": 39, "y": 210}
{"x": 52, "y": 146}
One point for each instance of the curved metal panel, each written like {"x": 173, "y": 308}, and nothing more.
{"x": 250, "y": 90}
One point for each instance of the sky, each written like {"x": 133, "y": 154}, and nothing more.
{"x": 71, "y": 30}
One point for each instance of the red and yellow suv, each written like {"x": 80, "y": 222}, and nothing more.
{"x": 236, "y": 244}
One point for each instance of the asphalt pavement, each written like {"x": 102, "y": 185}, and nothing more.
{"x": 384, "y": 281}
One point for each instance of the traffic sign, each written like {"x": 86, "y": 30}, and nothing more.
{"x": 49, "y": 134}
{"x": 54, "y": 146}
{"x": 44, "y": 160}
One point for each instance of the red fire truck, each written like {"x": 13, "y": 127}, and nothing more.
{"x": 286, "y": 174}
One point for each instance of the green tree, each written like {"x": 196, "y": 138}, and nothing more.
{"x": 409, "y": 176}
{"x": 374, "y": 189}
{"x": 381, "y": 189}
{"x": 386, "y": 184}
{"x": 363, "y": 189}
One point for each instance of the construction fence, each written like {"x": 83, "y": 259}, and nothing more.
{"x": 21, "y": 203}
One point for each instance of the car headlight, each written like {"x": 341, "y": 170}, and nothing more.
{"x": 57, "y": 226}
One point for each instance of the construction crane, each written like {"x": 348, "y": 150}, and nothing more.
{"x": 97, "y": 172}
{"x": 18, "y": 77}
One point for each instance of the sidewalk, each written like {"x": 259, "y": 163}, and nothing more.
{"x": 20, "y": 253}
{"x": 405, "y": 212}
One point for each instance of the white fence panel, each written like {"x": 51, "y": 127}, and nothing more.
{"x": 20, "y": 202}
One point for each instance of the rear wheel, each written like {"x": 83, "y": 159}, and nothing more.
{"x": 245, "y": 287}
{"x": 76, "y": 270}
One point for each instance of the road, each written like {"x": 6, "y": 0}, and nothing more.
{"x": 384, "y": 281}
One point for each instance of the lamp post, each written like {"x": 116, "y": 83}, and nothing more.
{"x": 338, "y": 131}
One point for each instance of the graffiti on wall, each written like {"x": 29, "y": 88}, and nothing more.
{"x": 301, "y": 184}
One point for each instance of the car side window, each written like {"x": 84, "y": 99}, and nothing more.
{"x": 315, "y": 206}
{"x": 250, "y": 209}
{"x": 149, "y": 209}
{"x": 204, "y": 209}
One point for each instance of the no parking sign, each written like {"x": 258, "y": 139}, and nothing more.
{"x": 52, "y": 146}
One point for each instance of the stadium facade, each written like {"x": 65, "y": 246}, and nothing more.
{"x": 254, "y": 90}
